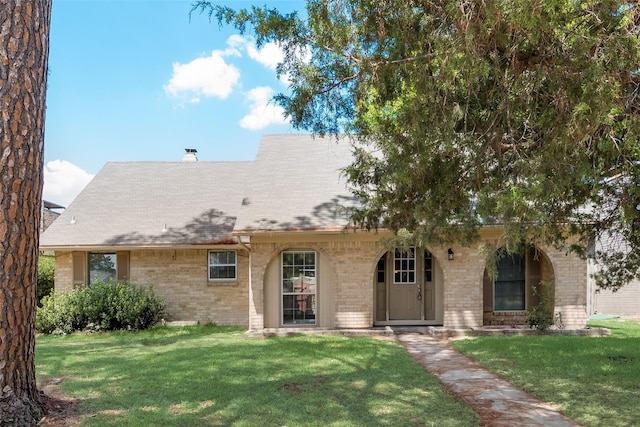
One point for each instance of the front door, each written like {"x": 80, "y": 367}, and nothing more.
{"x": 405, "y": 302}
{"x": 405, "y": 290}
{"x": 405, "y": 293}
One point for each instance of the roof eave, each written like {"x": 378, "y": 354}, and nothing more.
{"x": 141, "y": 246}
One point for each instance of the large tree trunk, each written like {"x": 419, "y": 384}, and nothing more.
{"x": 24, "y": 51}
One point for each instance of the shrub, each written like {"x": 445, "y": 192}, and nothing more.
{"x": 48, "y": 314}
{"x": 46, "y": 275}
{"x": 540, "y": 316}
{"x": 104, "y": 306}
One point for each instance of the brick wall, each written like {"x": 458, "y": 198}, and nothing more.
{"x": 180, "y": 277}
{"x": 346, "y": 268}
{"x": 351, "y": 282}
{"x": 64, "y": 271}
{"x": 345, "y": 280}
{"x": 462, "y": 287}
{"x": 570, "y": 274}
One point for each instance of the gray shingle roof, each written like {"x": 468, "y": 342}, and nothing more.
{"x": 294, "y": 184}
{"x": 297, "y": 185}
{"x": 129, "y": 204}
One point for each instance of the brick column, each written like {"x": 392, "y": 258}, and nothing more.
{"x": 462, "y": 287}
{"x": 570, "y": 273}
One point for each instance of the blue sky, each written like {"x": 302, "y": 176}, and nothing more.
{"x": 140, "y": 81}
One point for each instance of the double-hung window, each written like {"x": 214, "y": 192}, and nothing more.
{"x": 223, "y": 266}
{"x": 509, "y": 291}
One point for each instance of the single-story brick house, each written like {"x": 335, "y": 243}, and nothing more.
{"x": 265, "y": 244}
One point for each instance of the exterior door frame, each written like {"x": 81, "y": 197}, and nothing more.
{"x": 385, "y": 293}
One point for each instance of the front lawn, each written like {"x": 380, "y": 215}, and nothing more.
{"x": 213, "y": 376}
{"x": 595, "y": 381}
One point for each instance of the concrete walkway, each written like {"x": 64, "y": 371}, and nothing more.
{"x": 499, "y": 403}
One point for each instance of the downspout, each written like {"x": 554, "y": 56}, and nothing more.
{"x": 245, "y": 241}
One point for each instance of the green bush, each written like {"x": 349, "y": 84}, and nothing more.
{"x": 46, "y": 275}
{"x": 101, "y": 306}
{"x": 540, "y": 316}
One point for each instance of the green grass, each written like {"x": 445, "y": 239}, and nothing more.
{"x": 213, "y": 376}
{"x": 595, "y": 381}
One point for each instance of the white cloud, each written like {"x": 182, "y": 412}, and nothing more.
{"x": 263, "y": 113}
{"x": 208, "y": 76}
{"x": 63, "y": 181}
{"x": 270, "y": 55}
{"x": 236, "y": 41}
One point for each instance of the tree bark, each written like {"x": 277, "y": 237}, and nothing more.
{"x": 24, "y": 52}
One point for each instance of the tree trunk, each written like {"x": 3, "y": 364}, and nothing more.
{"x": 24, "y": 51}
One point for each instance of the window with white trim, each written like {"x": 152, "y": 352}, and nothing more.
{"x": 223, "y": 266}
{"x": 299, "y": 287}
{"x": 404, "y": 266}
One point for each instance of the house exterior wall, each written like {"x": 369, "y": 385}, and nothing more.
{"x": 180, "y": 278}
{"x": 63, "y": 271}
{"x": 346, "y": 265}
{"x": 346, "y": 268}
{"x": 570, "y": 278}
{"x": 462, "y": 287}
{"x": 625, "y": 302}
{"x": 346, "y": 285}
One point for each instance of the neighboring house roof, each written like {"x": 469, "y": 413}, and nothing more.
{"x": 153, "y": 204}
{"x": 296, "y": 184}
{"x": 48, "y": 214}
{"x": 50, "y": 205}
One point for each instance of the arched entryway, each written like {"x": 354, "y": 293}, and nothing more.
{"x": 520, "y": 281}
{"x": 407, "y": 287}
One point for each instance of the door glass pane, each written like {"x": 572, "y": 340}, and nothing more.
{"x": 299, "y": 287}
{"x": 428, "y": 267}
{"x": 287, "y": 258}
{"x": 380, "y": 269}
{"x": 404, "y": 263}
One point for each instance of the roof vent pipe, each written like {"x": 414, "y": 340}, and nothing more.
{"x": 190, "y": 155}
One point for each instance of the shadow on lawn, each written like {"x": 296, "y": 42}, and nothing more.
{"x": 221, "y": 379}
{"x": 594, "y": 380}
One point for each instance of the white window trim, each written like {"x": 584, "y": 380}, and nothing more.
{"x": 282, "y": 293}
{"x": 209, "y": 265}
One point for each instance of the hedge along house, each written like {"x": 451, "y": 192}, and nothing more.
{"x": 267, "y": 244}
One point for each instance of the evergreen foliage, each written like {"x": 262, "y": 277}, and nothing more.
{"x": 46, "y": 277}
{"x": 101, "y": 306}
{"x": 466, "y": 113}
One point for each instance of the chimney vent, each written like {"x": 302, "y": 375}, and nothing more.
{"x": 190, "y": 155}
